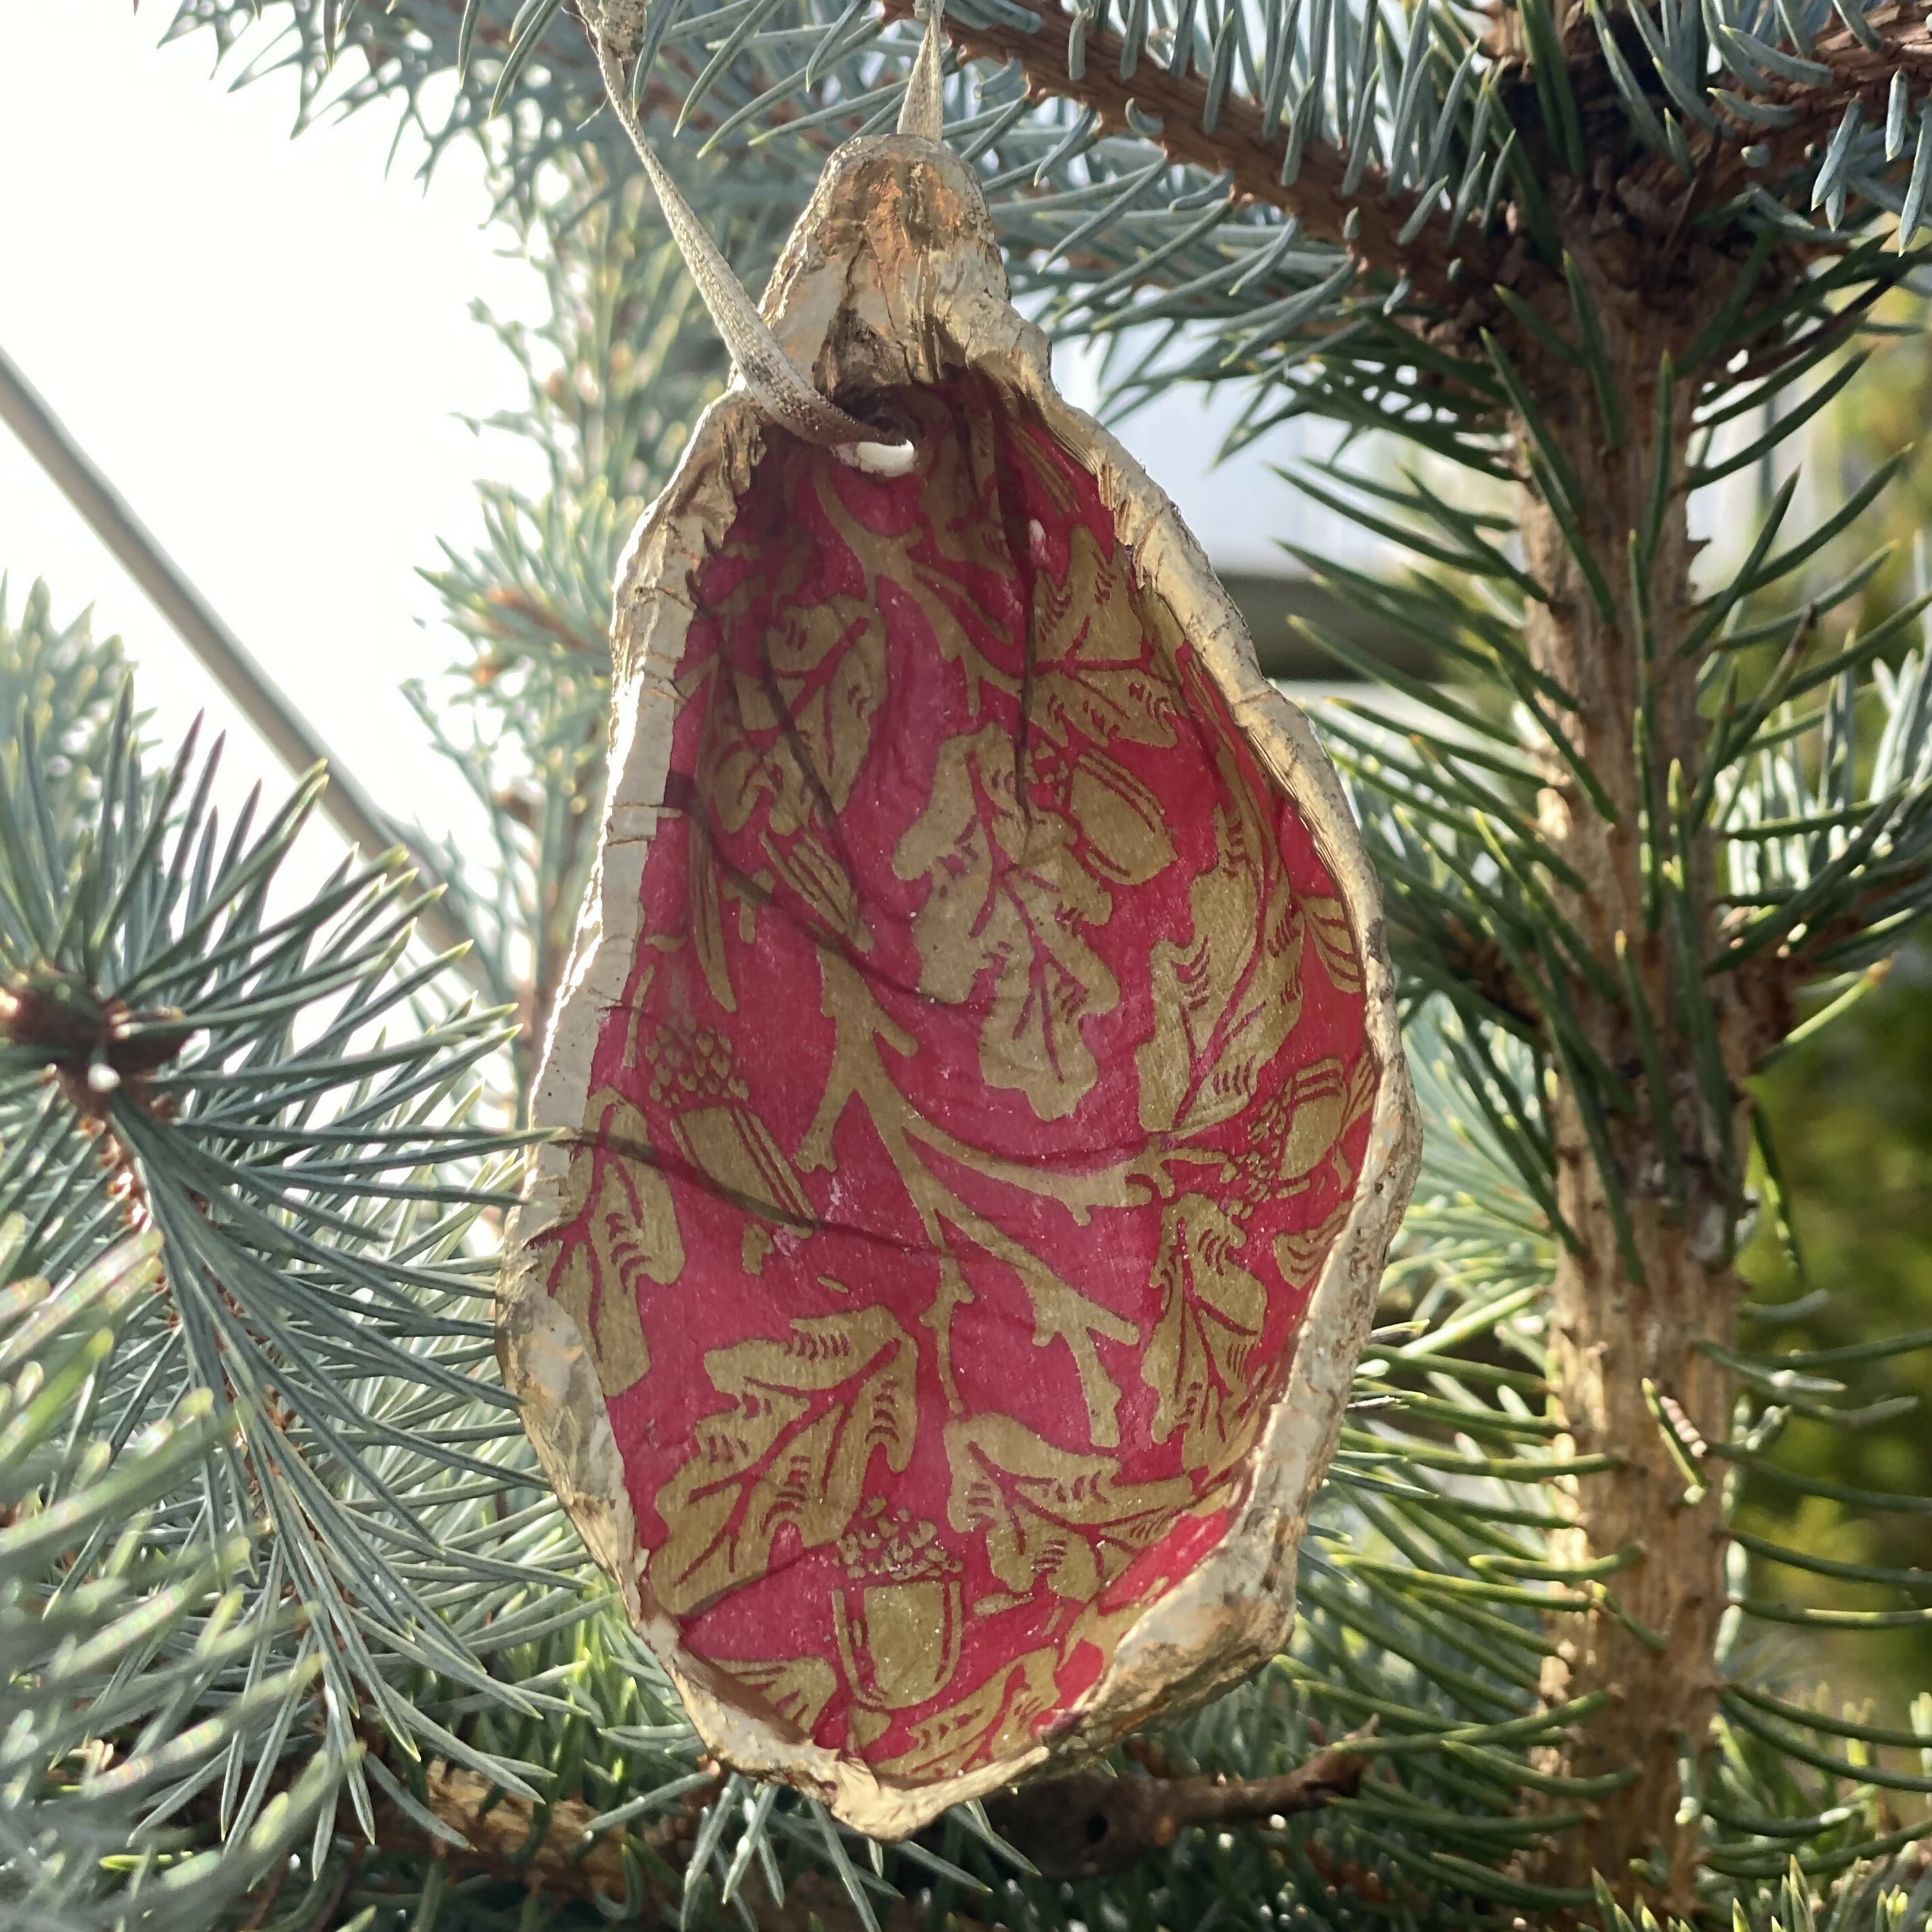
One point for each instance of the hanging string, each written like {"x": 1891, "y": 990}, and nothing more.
{"x": 779, "y": 387}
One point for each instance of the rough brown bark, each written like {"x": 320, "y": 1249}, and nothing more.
{"x": 1453, "y": 276}
{"x": 1628, "y": 1340}
{"x": 1609, "y": 1334}
{"x": 1092, "y": 1824}
{"x": 1237, "y": 144}
{"x": 1078, "y": 1827}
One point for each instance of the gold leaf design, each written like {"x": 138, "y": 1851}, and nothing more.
{"x": 1038, "y": 459}
{"x": 941, "y": 564}
{"x": 620, "y": 1224}
{"x": 1210, "y": 1324}
{"x": 1056, "y": 1515}
{"x": 815, "y": 686}
{"x": 994, "y": 1720}
{"x": 1007, "y": 889}
{"x": 797, "y": 732}
{"x": 798, "y": 1688}
{"x": 900, "y": 1618}
{"x": 1334, "y": 942}
{"x": 1165, "y": 634}
{"x": 899, "y": 1642}
{"x": 735, "y": 774}
{"x": 707, "y": 919}
{"x": 827, "y": 679}
{"x": 1127, "y": 839}
{"x": 1299, "y": 1257}
{"x": 736, "y": 1153}
{"x": 693, "y": 1076}
{"x": 1226, "y": 1000}
{"x": 1324, "y": 1102}
{"x": 1090, "y": 670}
{"x": 858, "y": 1076}
{"x": 808, "y": 1410}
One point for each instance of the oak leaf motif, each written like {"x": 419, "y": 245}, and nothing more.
{"x": 1128, "y": 842}
{"x": 1061, "y": 1517}
{"x": 740, "y": 1156}
{"x": 1212, "y": 1314}
{"x": 1323, "y": 1101}
{"x": 618, "y": 1230}
{"x": 798, "y": 1688}
{"x": 1334, "y": 942}
{"x": 792, "y": 732}
{"x": 828, "y": 676}
{"x": 1300, "y": 1255}
{"x": 1226, "y": 999}
{"x": 1092, "y": 673}
{"x": 994, "y": 1719}
{"x": 807, "y": 1410}
{"x": 1008, "y": 889}
{"x": 707, "y": 915}
{"x": 712, "y": 1124}
{"x": 736, "y": 774}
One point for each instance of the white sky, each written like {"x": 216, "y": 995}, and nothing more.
{"x": 266, "y": 343}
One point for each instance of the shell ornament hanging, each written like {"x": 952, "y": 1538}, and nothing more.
{"x": 979, "y": 1120}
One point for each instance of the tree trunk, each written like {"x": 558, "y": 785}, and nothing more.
{"x": 1632, "y": 1306}
{"x": 1610, "y": 1335}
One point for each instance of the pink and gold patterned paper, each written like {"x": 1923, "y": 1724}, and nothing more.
{"x": 980, "y": 1066}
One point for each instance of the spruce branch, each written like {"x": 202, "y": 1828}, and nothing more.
{"x": 1079, "y": 1827}
{"x": 559, "y": 1850}
{"x": 1618, "y": 862}
{"x": 1090, "y": 1825}
{"x": 1855, "y": 69}
{"x": 1337, "y": 198}
{"x": 100, "y": 1605}
{"x": 1433, "y": 185}
{"x": 264, "y": 1086}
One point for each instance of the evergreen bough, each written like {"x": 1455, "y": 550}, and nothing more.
{"x": 1574, "y": 266}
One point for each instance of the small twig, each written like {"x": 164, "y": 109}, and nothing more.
{"x": 265, "y": 1897}
{"x": 1091, "y": 1824}
{"x": 1858, "y": 73}
{"x": 597, "y": 649}
{"x": 564, "y": 1862}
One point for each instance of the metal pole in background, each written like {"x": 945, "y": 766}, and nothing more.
{"x": 354, "y": 813}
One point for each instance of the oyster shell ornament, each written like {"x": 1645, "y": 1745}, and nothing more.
{"x": 979, "y": 1116}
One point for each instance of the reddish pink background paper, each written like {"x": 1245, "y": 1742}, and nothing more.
{"x": 868, "y": 1238}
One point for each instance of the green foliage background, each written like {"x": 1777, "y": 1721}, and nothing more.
{"x": 1853, "y": 1111}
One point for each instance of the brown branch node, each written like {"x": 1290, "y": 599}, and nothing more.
{"x": 1090, "y": 1825}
